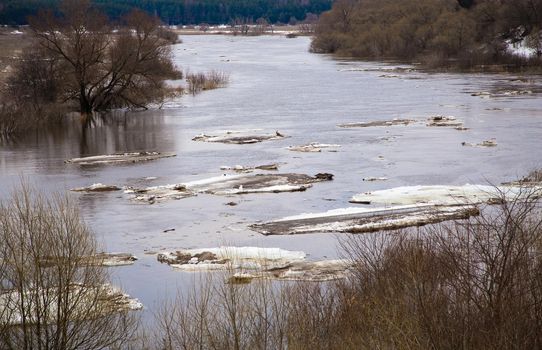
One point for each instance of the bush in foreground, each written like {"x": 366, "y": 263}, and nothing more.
{"x": 50, "y": 296}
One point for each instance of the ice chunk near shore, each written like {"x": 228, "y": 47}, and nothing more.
{"x": 248, "y": 169}
{"x": 120, "y": 158}
{"x": 533, "y": 179}
{"x": 443, "y": 195}
{"x": 247, "y": 263}
{"x": 223, "y": 258}
{"x": 379, "y": 69}
{"x": 377, "y": 123}
{"x": 238, "y": 137}
{"x": 314, "y": 271}
{"x": 486, "y": 143}
{"x": 364, "y": 220}
{"x": 313, "y": 147}
{"x": 112, "y": 259}
{"x": 373, "y": 179}
{"x": 155, "y": 194}
{"x": 502, "y": 93}
{"x": 274, "y": 183}
{"x": 85, "y": 301}
{"x": 97, "y": 187}
{"x": 444, "y": 121}
{"x": 100, "y": 259}
{"x": 231, "y": 185}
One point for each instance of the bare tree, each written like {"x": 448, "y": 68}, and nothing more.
{"x": 50, "y": 297}
{"x": 104, "y": 68}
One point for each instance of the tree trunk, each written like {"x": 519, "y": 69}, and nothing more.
{"x": 84, "y": 104}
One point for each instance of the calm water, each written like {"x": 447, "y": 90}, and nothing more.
{"x": 277, "y": 85}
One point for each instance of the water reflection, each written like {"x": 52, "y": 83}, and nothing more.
{"x": 120, "y": 131}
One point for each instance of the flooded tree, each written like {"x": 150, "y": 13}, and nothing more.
{"x": 100, "y": 67}
{"x": 51, "y": 297}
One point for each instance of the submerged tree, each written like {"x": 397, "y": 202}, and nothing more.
{"x": 100, "y": 67}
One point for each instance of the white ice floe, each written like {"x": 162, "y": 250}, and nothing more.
{"x": 444, "y": 121}
{"x": 120, "y": 158}
{"x": 249, "y": 169}
{"x": 329, "y": 213}
{"x": 97, "y": 187}
{"x": 314, "y": 271}
{"x": 501, "y": 93}
{"x": 247, "y": 263}
{"x": 443, "y": 195}
{"x": 85, "y": 302}
{"x": 238, "y": 137}
{"x": 230, "y": 185}
{"x": 224, "y": 258}
{"x": 372, "y": 179}
{"x": 113, "y": 259}
{"x": 391, "y": 122}
{"x": 99, "y": 259}
{"x": 486, "y": 143}
{"x": 379, "y": 69}
{"x": 269, "y": 189}
{"x": 313, "y": 147}
{"x": 361, "y": 220}
{"x": 198, "y": 185}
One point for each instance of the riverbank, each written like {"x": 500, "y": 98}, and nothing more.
{"x": 246, "y": 30}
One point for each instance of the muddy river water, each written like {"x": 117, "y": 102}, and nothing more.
{"x": 277, "y": 85}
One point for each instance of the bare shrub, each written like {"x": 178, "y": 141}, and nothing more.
{"x": 198, "y": 82}
{"x": 50, "y": 298}
{"x": 473, "y": 284}
{"x": 169, "y": 35}
{"x": 535, "y": 176}
{"x": 16, "y": 119}
{"x": 12, "y": 121}
{"x": 219, "y": 315}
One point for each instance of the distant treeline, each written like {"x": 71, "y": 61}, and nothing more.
{"x": 181, "y": 11}
{"x": 464, "y": 33}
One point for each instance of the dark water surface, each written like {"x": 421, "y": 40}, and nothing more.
{"x": 276, "y": 84}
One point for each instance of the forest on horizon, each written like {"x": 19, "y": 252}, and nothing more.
{"x": 174, "y": 12}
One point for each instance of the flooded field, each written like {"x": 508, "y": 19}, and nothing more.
{"x": 307, "y": 114}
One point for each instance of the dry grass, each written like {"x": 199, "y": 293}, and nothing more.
{"x": 198, "y": 82}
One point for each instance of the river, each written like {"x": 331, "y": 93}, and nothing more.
{"x": 276, "y": 84}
